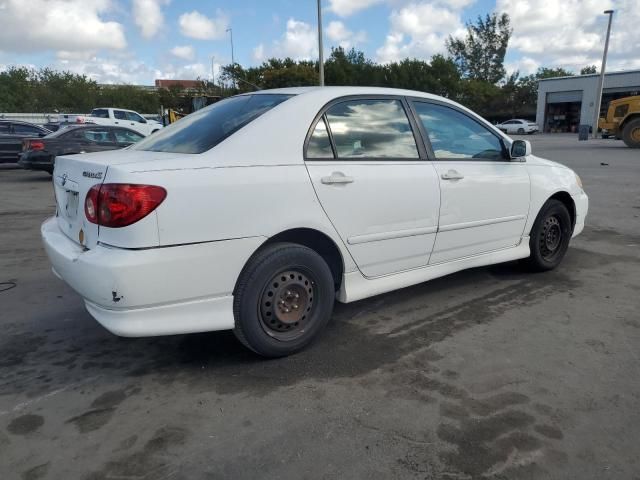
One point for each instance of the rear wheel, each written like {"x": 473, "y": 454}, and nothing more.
{"x": 550, "y": 236}
{"x": 631, "y": 133}
{"x": 283, "y": 299}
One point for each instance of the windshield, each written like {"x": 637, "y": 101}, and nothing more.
{"x": 204, "y": 129}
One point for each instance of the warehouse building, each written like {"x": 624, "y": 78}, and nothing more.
{"x": 566, "y": 102}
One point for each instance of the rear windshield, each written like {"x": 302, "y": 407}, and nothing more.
{"x": 204, "y": 129}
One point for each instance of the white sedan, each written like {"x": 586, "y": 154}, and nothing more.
{"x": 518, "y": 126}
{"x": 257, "y": 212}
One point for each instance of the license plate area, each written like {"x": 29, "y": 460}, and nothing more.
{"x": 67, "y": 197}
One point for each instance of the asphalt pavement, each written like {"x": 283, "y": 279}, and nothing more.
{"x": 489, "y": 373}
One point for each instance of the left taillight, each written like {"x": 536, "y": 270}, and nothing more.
{"x": 32, "y": 145}
{"x": 117, "y": 205}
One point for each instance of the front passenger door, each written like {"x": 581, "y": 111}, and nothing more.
{"x": 484, "y": 195}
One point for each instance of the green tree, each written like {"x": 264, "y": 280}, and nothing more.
{"x": 480, "y": 55}
{"x": 588, "y": 69}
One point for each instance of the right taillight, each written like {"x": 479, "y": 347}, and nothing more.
{"x": 117, "y": 205}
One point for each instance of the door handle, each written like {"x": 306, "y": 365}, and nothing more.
{"x": 336, "y": 178}
{"x": 452, "y": 175}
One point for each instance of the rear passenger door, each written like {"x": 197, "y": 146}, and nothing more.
{"x": 374, "y": 182}
{"x": 96, "y": 139}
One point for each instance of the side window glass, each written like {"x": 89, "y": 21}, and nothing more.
{"x": 98, "y": 136}
{"x": 319, "y": 144}
{"x": 455, "y": 135}
{"x": 4, "y": 128}
{"x": 371, "y": 129}
{"x": 120, "y": 115}
{"x": 134, "y": 117}
{"x": 125, "y": 136}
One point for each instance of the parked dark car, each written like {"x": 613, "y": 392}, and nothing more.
{"x": 12, "y": 132}
{"x": 40, "y": 153}
{"x": 55, "y": 126}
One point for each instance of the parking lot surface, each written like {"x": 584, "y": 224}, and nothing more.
{"x": 492, "y": 372}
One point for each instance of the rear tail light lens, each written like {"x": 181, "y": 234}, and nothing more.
{"x": 32, "y": 145}
{"x": 117, "y": 205}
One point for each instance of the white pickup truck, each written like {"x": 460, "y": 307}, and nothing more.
{"x": 122, "y": 118}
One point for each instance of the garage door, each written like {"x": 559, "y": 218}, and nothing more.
{"x": 565, "y": 97}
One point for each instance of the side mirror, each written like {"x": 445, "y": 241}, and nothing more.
{"x": 520, "y": 148}
{"x": 143, "y": 120}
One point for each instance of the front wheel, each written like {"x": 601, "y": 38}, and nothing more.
{"x": 283, "y": 299}
{"x": 521, "y": 131}
{"x": 550, "y": 236}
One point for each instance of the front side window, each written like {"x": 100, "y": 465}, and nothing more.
{"x": 204, "y": 129}
{"x": 371, "y": 129}
{"x": 320, "y": 144}
{"x": 454, "y": 135}
{"x": 134, "y": 117}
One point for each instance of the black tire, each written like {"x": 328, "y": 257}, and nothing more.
{"x": 521, "y": 131}
{"x": 303, "y": 291}
{"x": 631, "y": 133}
{"x": 550, "y": 236}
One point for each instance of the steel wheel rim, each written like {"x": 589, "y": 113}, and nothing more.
{"x": 550, "y": 237}
{"x": 287, "y": 304}
{"x": 635, "y": 134}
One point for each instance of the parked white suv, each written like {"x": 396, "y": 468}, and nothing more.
{"x": 122, "y": 118}
{"x": 518, "y": 126}
{"x": 255, "y": 213}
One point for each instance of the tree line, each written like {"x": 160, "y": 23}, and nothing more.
{"x": 472, "y": 73}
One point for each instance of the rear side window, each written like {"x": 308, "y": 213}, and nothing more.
{"x": 371, "y": 129}
{"x": 120, "y": 114}
{"x": 100, "y": 112}
{"x": 21, "y": 129}
{"x": 320, "y": 144}
{"x": 204, "y": 129}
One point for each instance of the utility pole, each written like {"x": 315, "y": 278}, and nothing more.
{"x": 233, "y": 61}
{"x": 596, "y": 115}
{"x": 320, "y": 50}
{"x": 213, "y": 74}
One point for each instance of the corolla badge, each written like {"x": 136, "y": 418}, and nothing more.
{"x": 97, "y": 175}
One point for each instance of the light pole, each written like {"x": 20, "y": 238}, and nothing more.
{"x": 596, "y": 115}
{"x": 213, "y": 74}
{"x": 233, "y": 61}
{"x": 320, "y": 51}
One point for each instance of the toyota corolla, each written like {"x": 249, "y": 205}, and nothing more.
{"x": 257, "y": 212}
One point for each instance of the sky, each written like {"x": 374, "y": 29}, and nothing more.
{"x": 137, "y": 41}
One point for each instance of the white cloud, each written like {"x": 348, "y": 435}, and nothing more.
{"x": 340, "y": 35}
{"x": 570, "y": 34}
{"x": 344, "y": 8}
{"x": 420, "y": 30}
{"x": 186, "y": 52}
{"x": 196, "y": 25}
{"x": 258, "y": 53}
{"x": 298, "y": 42}
{"x": 147, "y": 15}
{"x": 524, "y": 65}
{"x": 69, "y": 25}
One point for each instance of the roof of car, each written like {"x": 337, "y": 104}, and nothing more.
{"x": 339, "y": 91}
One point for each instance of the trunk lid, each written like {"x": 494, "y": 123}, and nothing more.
{"x": 72, "y": 178}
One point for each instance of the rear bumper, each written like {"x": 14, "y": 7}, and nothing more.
{"x": 156, "y": 291}
{"x": 36, "y": 163}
